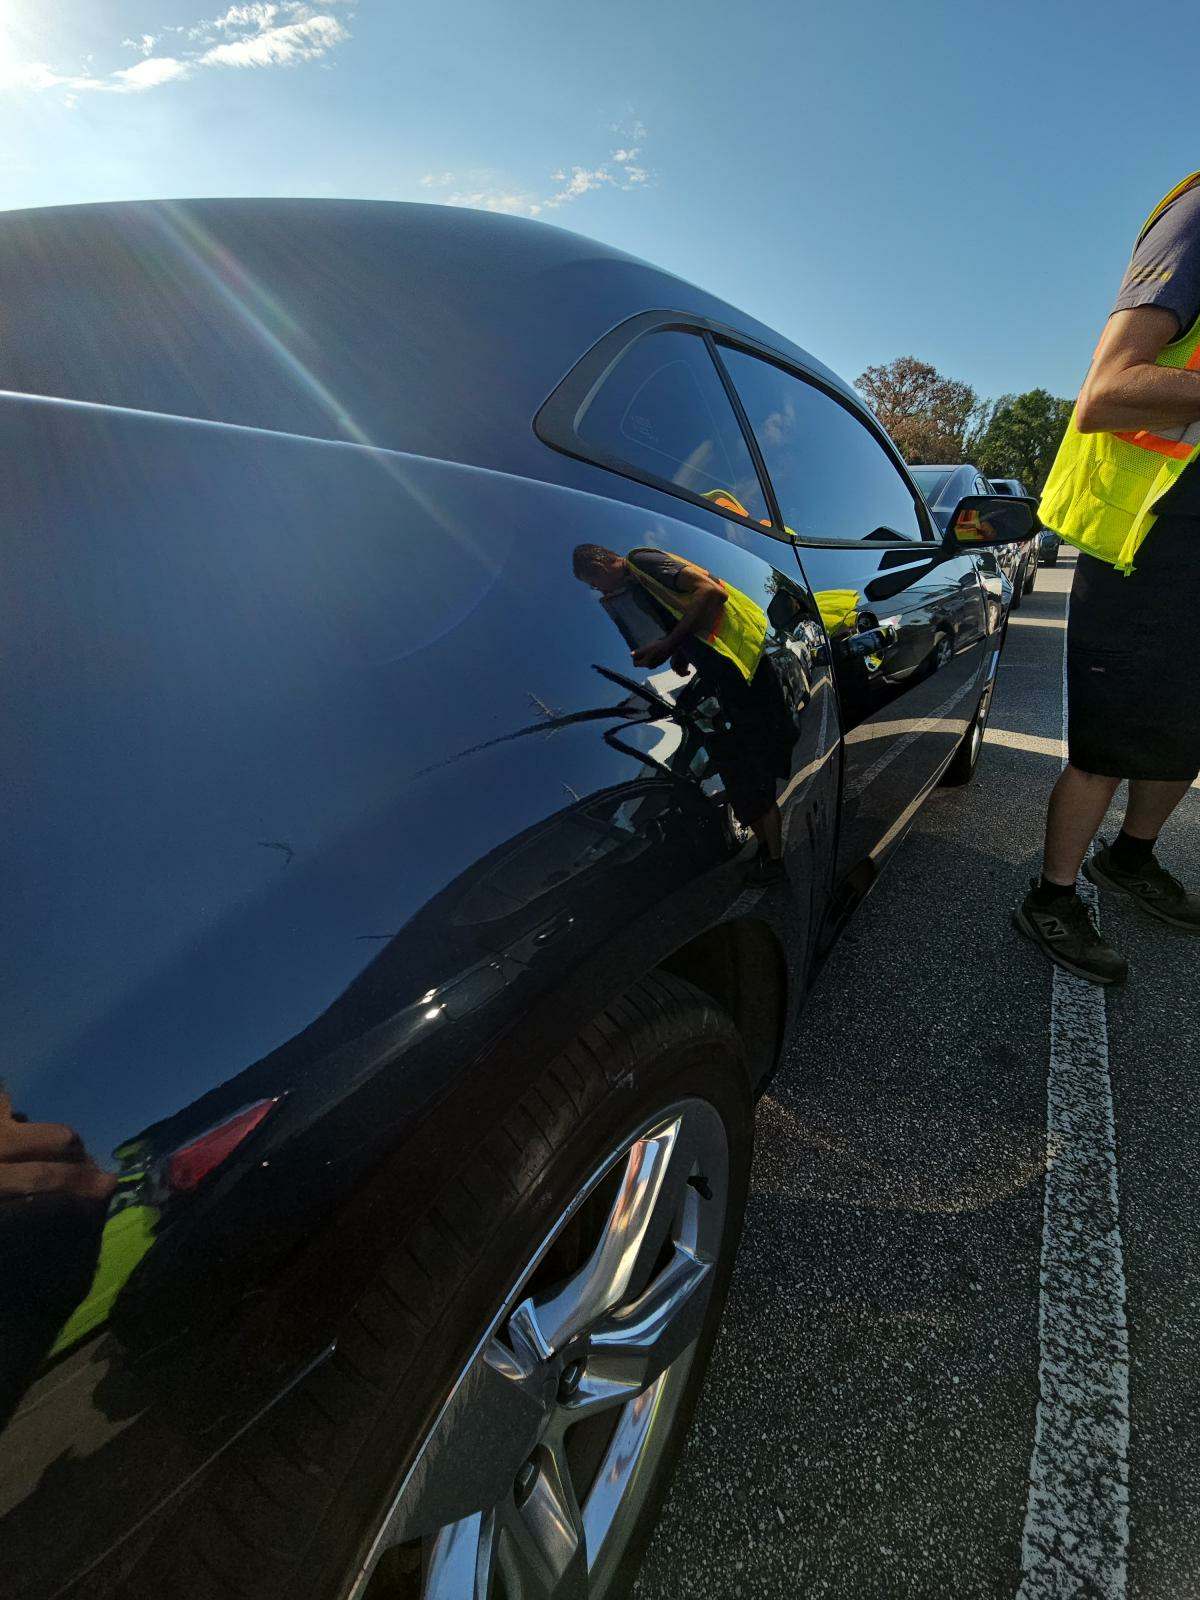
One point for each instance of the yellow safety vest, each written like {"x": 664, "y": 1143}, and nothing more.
{"x": 738, "y": 634}
{"x": 1103, "y": 487}
{"x": 837, "y": 607}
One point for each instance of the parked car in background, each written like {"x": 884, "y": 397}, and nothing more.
{"x": 1015, "y": 488}
{"x": 1049, "y": 544}
{"x": 1010, "y": 486}
{"x": 944, "y": 486}
{"x": 382, "y": 902}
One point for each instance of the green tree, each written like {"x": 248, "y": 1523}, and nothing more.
{"x": 928, "y": 415}
{"x": 1021, "y": 436}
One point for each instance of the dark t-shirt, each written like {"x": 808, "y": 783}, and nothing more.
{"x": 665, "y": 569}
{"x": 641, "y": 618}
{"x": 1165, "y": 271}
{"x": 1165, "y": 268}
{"x": 660, "y": 565}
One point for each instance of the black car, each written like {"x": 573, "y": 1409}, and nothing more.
{"x": 944, "y": 486}
{"x": 1044, "y": 541}
{"x": 391, "y": 959}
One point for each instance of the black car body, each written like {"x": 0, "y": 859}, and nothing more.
{"x": 337, "y": 808}
{"x": 945, "y": 486}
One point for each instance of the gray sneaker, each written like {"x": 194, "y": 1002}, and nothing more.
{"x": 1067, "y": 934}
{"x": 1151, "y": 885}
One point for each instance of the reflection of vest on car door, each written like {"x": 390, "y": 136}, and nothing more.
{"x": 906, "y": 638}
{"x": 904, "y": 625}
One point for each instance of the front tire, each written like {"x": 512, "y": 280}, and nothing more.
{"x": 511, "y": 1394}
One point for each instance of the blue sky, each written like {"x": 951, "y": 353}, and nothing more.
{"x": 958, "y": 181}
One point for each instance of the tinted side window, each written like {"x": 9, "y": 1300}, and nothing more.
{"x": 832, "y": 477}
{"x": 663, "y": 410}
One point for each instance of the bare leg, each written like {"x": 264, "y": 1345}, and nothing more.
{"x": 1150, "y": 804}
{"x": 768, "y": 830}
{"x": 1078, "y": 802}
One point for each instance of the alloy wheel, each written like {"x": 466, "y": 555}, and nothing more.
{"x": 979, "y": 726}
{"x": 532, "y": 1480}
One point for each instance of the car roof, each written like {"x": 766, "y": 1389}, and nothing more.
{"x": 954, "y": 471}
{"x": 423, "y": 328}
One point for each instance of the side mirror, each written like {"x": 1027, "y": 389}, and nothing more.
{"x": 992, "y": 519}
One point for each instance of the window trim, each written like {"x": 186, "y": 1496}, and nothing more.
{"x": 866, "y": 421}
{"x": 554, "y": 423}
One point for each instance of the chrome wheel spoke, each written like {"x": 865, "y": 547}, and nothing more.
{"x": 489, "y": 1507}
{"x": 541, "y": 1550}
{"x": 656, "y": 1171}
{"x": 637, "y": 1343}
{"x": 462, "y": 1560}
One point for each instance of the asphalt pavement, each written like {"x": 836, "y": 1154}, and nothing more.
{"x": 868, "y": 1425}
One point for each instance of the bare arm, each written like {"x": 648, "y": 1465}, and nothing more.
{"x": 46, "y": 1158}
{"x": 1124, "y": 390}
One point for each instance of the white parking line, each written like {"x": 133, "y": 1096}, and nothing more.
{"x": 1076, "y": 1535}
{"x": 1033, "y": 742}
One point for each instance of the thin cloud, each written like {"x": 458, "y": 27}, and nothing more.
{"x": 257, "y": 16}
{"x": 258, "y": 33}
{"x": 279, "y": 47}
{"x": 621, "y": 171}
{"x": 633, "y": 130}
{"x": 516, "y": 205}
{"x": 149, "y": 74}
{"x": 579, "y": 183}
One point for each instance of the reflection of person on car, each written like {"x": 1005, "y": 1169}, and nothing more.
{"x": 53, "y": 1199}
{"x": 677, "y": 611}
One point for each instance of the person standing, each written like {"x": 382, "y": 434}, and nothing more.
{"x": 1125, "y": 490}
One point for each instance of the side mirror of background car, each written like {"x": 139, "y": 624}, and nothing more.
{"x": 992, "y": 519}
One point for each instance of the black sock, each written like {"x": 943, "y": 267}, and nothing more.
{"x": 1046, "y": 893}
{"x": 1129, "y": 853}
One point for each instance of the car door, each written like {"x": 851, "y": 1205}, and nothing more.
{"x": 651, "y": 404}
{"x": 905, "y": 620}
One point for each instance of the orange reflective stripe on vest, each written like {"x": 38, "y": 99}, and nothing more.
{"x": 1180, "y": 444}
{"x": 1159, "y": 445}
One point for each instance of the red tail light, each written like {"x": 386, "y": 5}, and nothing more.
{"x": 192, "y": 1163}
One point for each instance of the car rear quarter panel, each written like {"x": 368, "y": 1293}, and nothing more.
{"x": 316, "y": 793}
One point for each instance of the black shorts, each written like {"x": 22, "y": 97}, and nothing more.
{"x": 1133, "y": 660}
{"x": 753, "y": 754}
